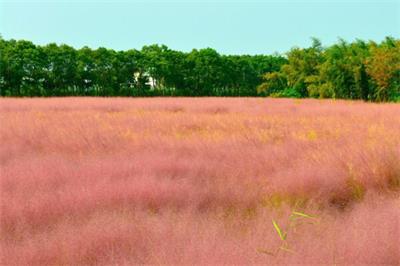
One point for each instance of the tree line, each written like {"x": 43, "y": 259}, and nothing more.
{"x": 27, "y": 69}
{"x": 357, "y": 70}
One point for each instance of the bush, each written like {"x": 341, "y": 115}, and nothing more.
{"x": 286, "y": 93}
{"x": 394, "y": 97}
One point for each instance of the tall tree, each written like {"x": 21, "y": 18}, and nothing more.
{"x": 384, "y": 68}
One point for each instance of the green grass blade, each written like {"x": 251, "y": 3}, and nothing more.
{"x": 304, "y": 215}
{"x": 281, "y": 234}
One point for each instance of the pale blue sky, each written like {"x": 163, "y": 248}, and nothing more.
{"x": 231, "y": 27}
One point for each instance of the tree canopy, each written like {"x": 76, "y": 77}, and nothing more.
{"x": 357, "y": 70}
{"x": 27, "y": 69}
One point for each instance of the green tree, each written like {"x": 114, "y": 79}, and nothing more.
{"x": 384, "y": 68}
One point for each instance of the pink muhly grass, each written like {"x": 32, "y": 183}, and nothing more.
{"x": 95, "y": 181}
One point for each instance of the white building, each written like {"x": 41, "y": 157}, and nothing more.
{"x": 152, "y": 82}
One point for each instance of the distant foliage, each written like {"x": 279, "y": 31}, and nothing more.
{"x": 286, "y": 93}
{"x": 27, "y": 69}
{"x": 357, "y": 70}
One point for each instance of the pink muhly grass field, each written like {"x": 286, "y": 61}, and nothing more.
{"x": 97, "y": 181}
